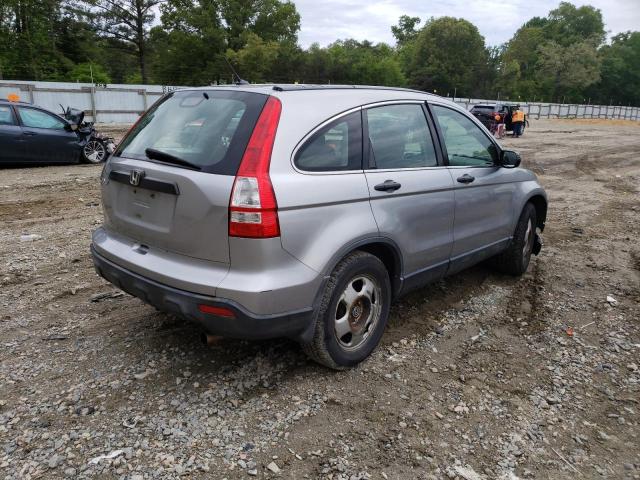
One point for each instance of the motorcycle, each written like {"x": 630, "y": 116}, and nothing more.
{"x": 95, "y": 146}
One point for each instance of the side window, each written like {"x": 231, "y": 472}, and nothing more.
{"x": 466, "y": 144}
{"x": 6, "y": 115}
{"x": 399, "y": 137}
{"x": 338, "y": 146}
{"x": 36, "y": 119}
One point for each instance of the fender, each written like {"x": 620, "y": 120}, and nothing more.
{"x": 397, "y": 278}
{"x": 541, "y": 202}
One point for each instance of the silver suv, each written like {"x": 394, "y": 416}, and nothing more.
{"x": 263, "y": 211}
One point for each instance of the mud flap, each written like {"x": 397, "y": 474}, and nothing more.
{"x": 537, "y": 244}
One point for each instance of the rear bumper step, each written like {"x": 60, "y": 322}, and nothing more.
{"x": 245, "y": 325}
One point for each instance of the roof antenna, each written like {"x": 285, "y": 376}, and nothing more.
{"x": 238, "y": 80}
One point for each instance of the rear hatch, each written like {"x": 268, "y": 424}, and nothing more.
{"x": 169, "y": 182}
{"x": 484, "y": 113}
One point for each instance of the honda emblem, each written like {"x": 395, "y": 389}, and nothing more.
{"x": 135, "y": 177}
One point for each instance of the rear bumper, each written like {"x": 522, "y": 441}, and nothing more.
{"x": 245, "y": 325}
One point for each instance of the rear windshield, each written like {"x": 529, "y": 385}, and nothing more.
{"x": 209, "y": 129}
{"x": 488, "y": 108}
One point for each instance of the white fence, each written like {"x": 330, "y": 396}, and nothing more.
{"x": 101, "y": 103}
{"x": 124, "y": 103}
{"x": 563, "y": 110}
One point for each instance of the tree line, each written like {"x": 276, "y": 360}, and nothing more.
{"x": 564, "y": 56}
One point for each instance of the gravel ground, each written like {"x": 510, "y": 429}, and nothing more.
{"x": 479, "y": 376}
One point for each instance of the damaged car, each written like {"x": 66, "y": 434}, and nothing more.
{"x": 34, "y": 135}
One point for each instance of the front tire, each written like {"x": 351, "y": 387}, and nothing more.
{"x": 515, "y": 259}
{"x": 353, "y": 312}
{"x": 94, "y": 151}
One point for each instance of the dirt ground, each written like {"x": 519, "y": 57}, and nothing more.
{"x": 479, "y": 376}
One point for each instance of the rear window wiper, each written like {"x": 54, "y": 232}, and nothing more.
{"x": 154, "y": 154}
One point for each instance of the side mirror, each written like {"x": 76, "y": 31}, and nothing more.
{"x": 509, "y": 159}
{"x": 71, "y": 127}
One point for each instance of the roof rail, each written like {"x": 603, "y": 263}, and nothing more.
{"x": 301, "y": 87}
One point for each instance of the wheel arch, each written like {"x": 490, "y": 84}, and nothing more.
{"x": 540, "y": 204}
{"x": 384, "y": 249}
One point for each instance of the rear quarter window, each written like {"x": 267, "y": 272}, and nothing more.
{"x": 209, "y": 129}
{"x": 335, "y": 147}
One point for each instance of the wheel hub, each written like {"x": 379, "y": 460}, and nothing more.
{"x": 359, "y": 314}
{"x": 357, "y": 311}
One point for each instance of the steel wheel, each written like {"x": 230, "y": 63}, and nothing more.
{"x": 357, "y": 312}
{"x": 94, "y": 151}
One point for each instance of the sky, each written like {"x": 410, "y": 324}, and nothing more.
{"x": 325, "y": 21}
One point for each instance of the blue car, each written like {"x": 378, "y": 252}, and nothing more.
{"x": 34, "y": 135}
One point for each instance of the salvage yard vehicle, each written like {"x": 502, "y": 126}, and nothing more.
{"x": 34, "y": 135}
{"x": 261, "y": 211}
{"x": 486, "y": 113}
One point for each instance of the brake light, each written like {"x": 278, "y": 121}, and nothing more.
{"x": 253, "y": 211}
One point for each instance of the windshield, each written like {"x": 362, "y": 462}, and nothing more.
{"x": 209, "y": 129}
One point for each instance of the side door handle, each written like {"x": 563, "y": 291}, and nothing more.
{"x": 466, "y": 178}
{"x": 387, "y": 186}
{"x": 31, "y": 134}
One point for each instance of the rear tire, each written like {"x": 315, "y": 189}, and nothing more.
{"x": 515, "y": 259}
{"x": 94, "y": 151}
{"x": 353, "y": 312}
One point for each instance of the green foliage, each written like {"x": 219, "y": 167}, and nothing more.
{"x": 352, "y": 62}
{"x": 407, "y": 29}
{"x": 568, "y": 70}
{"x": 620, "y": 71}
{"x": 561, "y": 55}
{"x": 526, "y": 69}
{"x": 569, "y": 24}
{"x": 449, "y": 54}
{"x": 88, "y": 73}
{"x": 255, "y": 58}
{"x": 124, "y": 20}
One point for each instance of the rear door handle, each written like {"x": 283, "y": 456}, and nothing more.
{"x": 387, "y": 186}
{"x": 466, "y": 178}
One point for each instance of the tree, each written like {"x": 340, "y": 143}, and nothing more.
{"x": 449, "y": 54}
{"x": 89, "y": 73}
{"x": 620, "y": 71}
{"x": 271, "y": 20}
{"x": 519, "y": 61}
{"x": 29, "y": 43}
{"x": 190, "y": 44}
{"x": 521, "y": 72}
{"x": 352, "y": 62}
{"x": 255, "y": 59}
{"x": 568, "y": 70}
{"x": 569, "y": 24}
{"x": 124, "y": 20}
{"x": 406, "y": 31}
{"x": 258, "y": 36}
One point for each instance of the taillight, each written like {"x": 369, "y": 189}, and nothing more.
{"x": 253, "y": 212}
